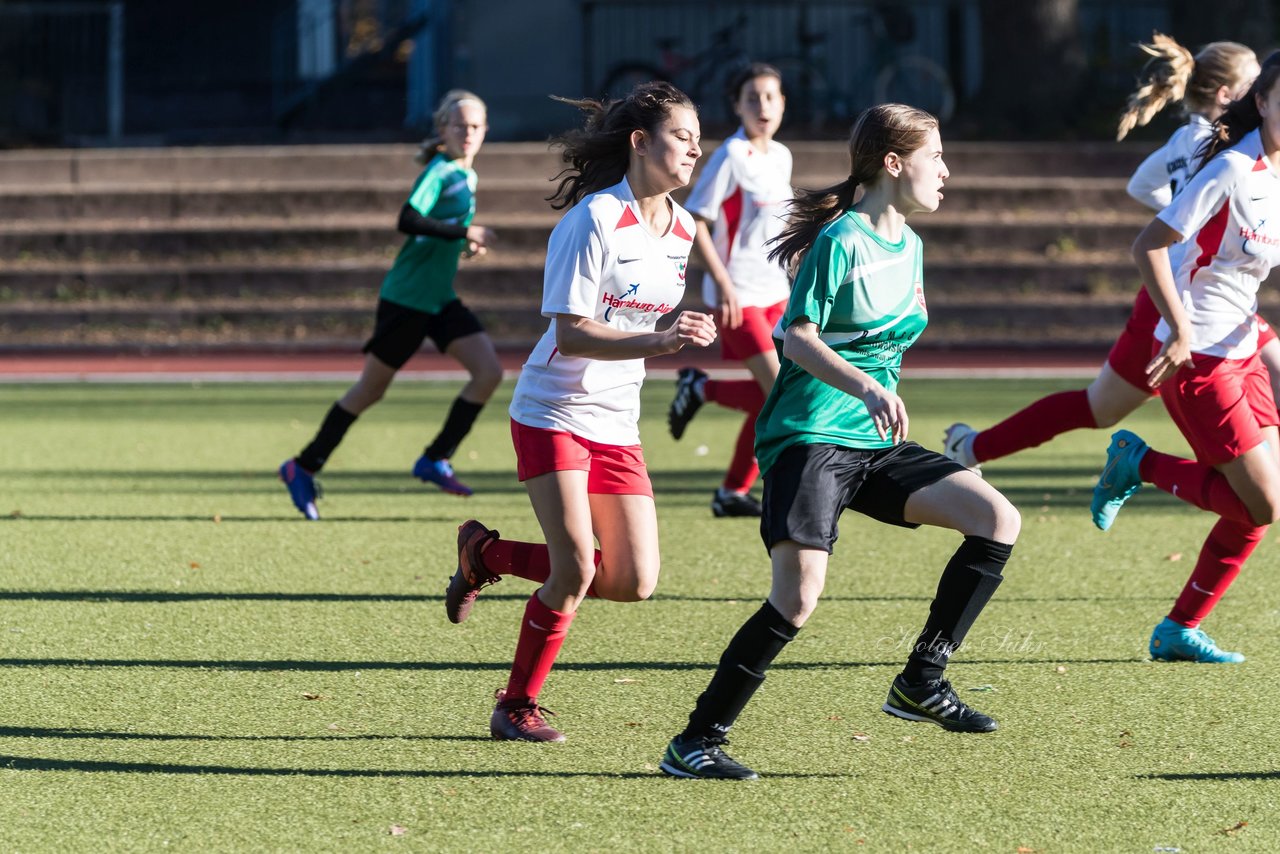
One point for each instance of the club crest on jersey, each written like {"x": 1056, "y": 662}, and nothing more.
{"x": 681, "y": 262}
{"x": 920, "y": 298}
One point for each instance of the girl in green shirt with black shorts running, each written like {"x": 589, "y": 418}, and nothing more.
{"x": 417, "y": 302}
{"x": 833, "y": 436}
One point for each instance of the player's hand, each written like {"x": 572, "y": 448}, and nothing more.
{"x": 1174, "y": 355}
{"x": 888, "y": 413}
{"x": 692, "y": 328}
{"x": 478, "y": 240}
{"x": 729, "y": 311}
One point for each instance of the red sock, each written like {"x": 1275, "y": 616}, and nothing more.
{"x": 542, "y": 633}
{"x": 742, "y": 395}
{"x": 1035, "y": 425}
{"x": 743, "y": 469}
{"x": 1225, "y": 550}
{"x": 1195, "y": 483}
{"x": 530, "y": 561}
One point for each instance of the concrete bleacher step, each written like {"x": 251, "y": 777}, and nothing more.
{"x": 1027, "y": 275}
{"x": 336, "y": 233}
{"x": 128, "y": 202}
{"x": 309, "y": 163}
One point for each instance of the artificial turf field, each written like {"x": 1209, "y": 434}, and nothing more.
{"x": 187, "y": 664}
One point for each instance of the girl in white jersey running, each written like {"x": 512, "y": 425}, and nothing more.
{"x": 615, "y": 265}
{"x": 1205, "y": 84}
{"x": 832, "y": 436}
{"x": 1217, "y": 390}
{"x": 417, "y": 301}
{"x": 739, "y": 204}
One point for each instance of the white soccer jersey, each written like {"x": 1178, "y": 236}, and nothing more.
{"x": 744, "y": 193}
{"x": 1168, "y": 169}
{"x": 1232, "y": 207}
{"x": 602, "y": 263}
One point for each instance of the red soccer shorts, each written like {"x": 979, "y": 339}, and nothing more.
{"x": 1221, "y": 406}
{"x": 611, "y": 469}
{"x": 1131, "y": 353}
{"x": 755, "y": 335}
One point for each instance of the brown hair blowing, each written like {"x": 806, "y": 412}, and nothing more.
{"x": 877, "y": 131}
{"x": 598, "y": 154}
{"x": 1172, "y": 75}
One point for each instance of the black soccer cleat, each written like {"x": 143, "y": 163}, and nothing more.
{"x": 935, "y": 701}
{"x": 687, "y": 401}
{"x": 702, "y": 759}
{"x": 726, "y": 502}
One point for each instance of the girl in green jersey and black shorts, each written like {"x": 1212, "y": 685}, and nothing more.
{"x": 832, "y": 435}
{"x": 418, "y": 302}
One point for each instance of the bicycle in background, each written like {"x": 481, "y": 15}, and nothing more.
{"x": 889, "y": 74}
{"x": 703, "y": 75}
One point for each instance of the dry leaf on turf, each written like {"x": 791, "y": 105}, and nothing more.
{"x": 398, "y": 830}
{"x": 1232, "y": 831}
{"x": 1175, "y": 556}
{"x": 307, "y": 695}
{"x": 861, "y": 736}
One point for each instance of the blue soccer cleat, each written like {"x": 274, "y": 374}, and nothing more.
{"x": 302, "y": 487}
{"x": 440, "y": 473}
{"x": 1174, "y": 642}
{"x": 1119, "y": 480}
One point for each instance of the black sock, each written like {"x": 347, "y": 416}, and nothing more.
{"x": 332, "y": 429}
{"x": 462, "y": 415}
{"x": 967, "y": 584}
{"x": 740, "y": 672}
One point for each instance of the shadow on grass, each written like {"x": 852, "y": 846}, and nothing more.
{"x": 299, "y": 665}
{"x": 1210, "y": 777}
{"x": 227, "y": 520}
{"x": 94, "y": 735}
{"x": 30, "y": 763}
{"x": 161, "y": 596}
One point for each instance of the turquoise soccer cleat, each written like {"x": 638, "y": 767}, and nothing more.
{"x": 1119, "y": 480}
{"x": 1175, "y": 642}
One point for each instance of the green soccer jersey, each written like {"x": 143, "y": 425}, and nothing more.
{"x": 866, "y": 297}
{"x": 422, "y": 275}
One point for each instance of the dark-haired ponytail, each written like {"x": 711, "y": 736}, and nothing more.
{"x": 599, "y": 153}
{"x": 877, "y": 131}
{"x": 810, "y": 211}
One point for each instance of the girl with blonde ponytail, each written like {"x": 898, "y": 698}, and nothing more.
{"x": 417, "y": 301}
{"x": 1204, "y": 85}
{"x": 833, "y": 436}
{"x": 1217, "y": 386}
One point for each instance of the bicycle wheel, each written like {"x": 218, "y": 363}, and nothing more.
{"x": 624, "y": 77}
{"x": 918, "y": 82}
{"x": 809, "y": 99}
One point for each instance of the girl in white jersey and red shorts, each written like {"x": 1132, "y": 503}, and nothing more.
{"x": 615, "y": 265}
{"x": 739, "y": 202}
{"x": 1216, "y": 388}
{"x": 1205, "y": 84}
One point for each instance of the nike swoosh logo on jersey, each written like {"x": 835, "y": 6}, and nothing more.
{"x": 1258, "y": 198}
{"x": 1200, "y": 589}
{"x": 868, "y": 269}
{"x": 627, "y": 260}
